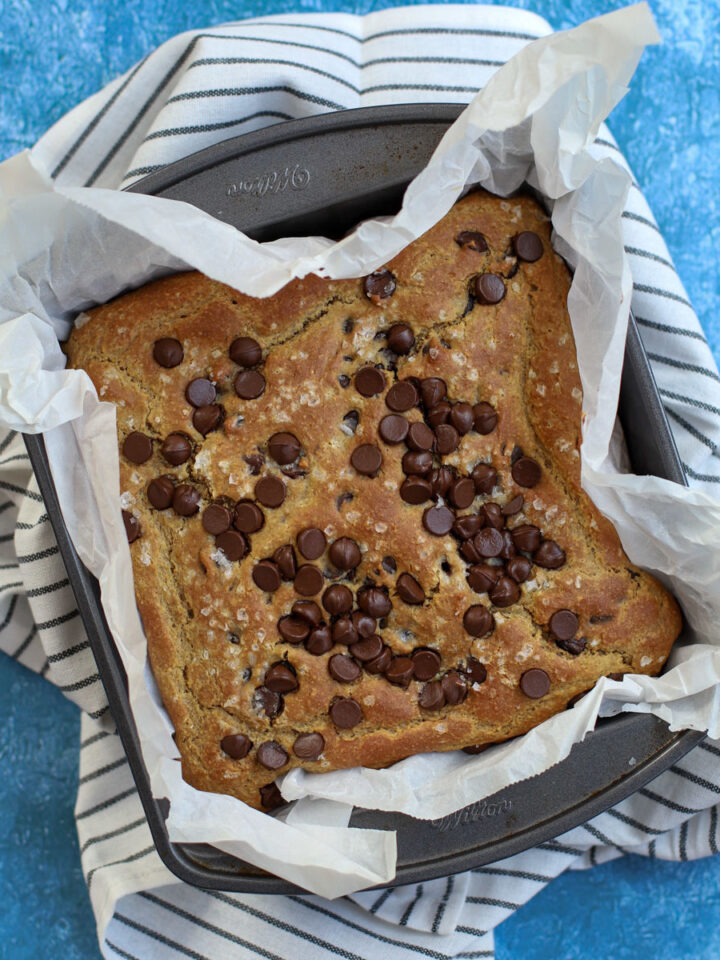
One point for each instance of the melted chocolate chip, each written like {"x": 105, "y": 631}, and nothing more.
{"x": 270, "y": 796}
{"x": 526, "y": 472}
{"x": 416, "y": 463}
{"x": 293, "y": 629}
{"x": 441, "y": 479}
{"x": 513, "y": 506}
{"x": 233, "y": 544}
{"x": 270, "y": 491}
{"x": 237, "y": 745}
{"x": 462, "y": 493}
{"x": 176, "y": 449}
{"x": 426, "y": 663}
{"x": 350, "y": 421}
{"x": 471, "y": 240}
{"x": 401, "y": 396}
{"x": 462, "y": 418}
{"x": 432, "y": 696}
{"x": 447, "y": 439}
{"x": 245, "y": 351}
{"x": 345, "y": 554}
{"x": 284, "y": 557}
{"x": 564, "y": 624}
{"x": 255, "y": 462}
{"x": 379, "y": 286}
{"x": 337, "y": 599}
{"x": 466, "y": 527}
{"x": 438, "y": 414}
{"x": 478, "y": 620}
{"x": 249, "y": 384}
{"x": 248, "y": 517}
{"x": 528, "y": 246}
{"x": 367, "y": 649}
{"x": 488, "y": 542}
{"x": 401, "y": 338}
{"x": 137, "y": 447}
{"x": 549, "y": 555}
{"x": 393, "y": 429}
{"x": 482, "y": 577}
{"x": 381, "y": 663}
{"x": 281, "y": 678}
{"x": 160, "y": 492}
{"x": 343, "y": 668}
{"x": 319, "y": 641}
{"x": 489, "y": 289}
{"x": 475, "y": 671}
{"x": 535, "y": 683}
{"x": 484, "y": 477}
{"x": 284, "y": 448}
{"x": 369, "y": 381}
{"x": 420, "y": 436}
{"x": 409, "y": 590}
{"x": 207, "y": 419}
{"x": 266, "y": 575}
{"x": 389, "y": 564}
{"x": 454, "y": 687}
{"x": 493, "y": 516}
{"x": 200, "y": 392}
{"x": 519, "y": 568}
{"x": 308, "y": 580}
{"x": 344, "y": 631}
{"x": 526, "y": 537}
{"x": 505, "y": 592}
{"x": 168, "y": 352}
{"x": 364, "y": 623}
{"x": 307, "y": 610}
{"x": 267, "y": 702}
{"x": 438, "y": 520}
{"x": 400, "y": 671}
{"x": 309, "y": 746}
{"x": 433, "y": 390}
{"x": 345, "y": 713}
{"x": 216, "y": 518}
{"x": 311, "y": 543}
{"x": 271, "y": 755}
{"x": 366, "y": 459}
{"x": 374, "y": 601}
{"x": 132, "y": 526}
{"x": 342, "y": 498}
{"x": 186, "y": 500}
{"x": 485, "y": 418}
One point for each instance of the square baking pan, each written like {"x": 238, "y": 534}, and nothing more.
{"x": 321, "y": 175}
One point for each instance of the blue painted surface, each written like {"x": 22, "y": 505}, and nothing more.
{"x": 52, "y": 55}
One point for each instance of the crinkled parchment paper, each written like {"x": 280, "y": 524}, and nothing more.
{"x": 63, "y": 249}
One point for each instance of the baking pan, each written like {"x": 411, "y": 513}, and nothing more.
{"x": 321, "y": 175}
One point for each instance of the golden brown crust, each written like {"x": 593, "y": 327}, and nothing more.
{"x": 519, "y": 355}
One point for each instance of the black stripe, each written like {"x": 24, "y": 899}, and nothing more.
{"x": 282, "y": 43}
{"x": 79, "y": 684}
{"x": 25, "y": 644}
{"x": 17, "y": 456}
{"x": 705, "y": 477}
{"x": 112, "y": 833}
{"x": 709, "y": 748}
{"x": 6, "y": 506}
{"x": 492, "y": 902}
{"x": 40, "y": 555}
{"x": 6, "y": 538}
{"x": 631, "y": 822}
{"x": 682, "y": 365}
{"x": 141, "y": 171}
{"x": 693, "y": 431}
{"x": 45, "y": 669}
{"x": 443, "y": 904}
{"x": 303, "y": 26}
{"x": 638, "y": 219}
{"x": 683, "y": 840}
{"x": 601, "y": 142}
{"x": 160, "y": 938}
{"x": 411, "y": 906}
{"x": 694, "y": 778}
{"x": 554, "y": 846}
{"x": 48, "y": 588}
{"x": 466, "y": 61}
{"x": 120, "y": 952}
{"x": 712, "y": 838}
{"x": 95, "y": 714}
{"x": 141, "y": 113}
{"x": 101, "y": 735}
{"x": 209, "y": 127}
{"x": 511, "y": 34}
{"x": 381, "y": 900}
{"x": 58, "y": 621}
{"x": 69, "y": 652}
{"x": 251, "y": 91}
{"x": 208, "y": 61}
{"x": 96, "y": 120}
{"x": 522, "y": 874}
{"x": 419, "y": 86}
{"x": 647, "y": 255}
{"x": 115, "y": 863}
{"x": 103, "y": 805}
{"x": 9, "y": 566}
{"x": 12, "y": 488}
{"x": 473, "y": 931}
{"x": 666, "y": 328}
{"x": 10, "y": 586}
{"x": 31, "y": 526}
{"x": 213, "y": 928}
{"x": 475, "y": 953}
{"x": 651, "y": 849}
{"x": 8, "y": 439}
{"x": 101, "y": 771}
{"x": 10, "y": 611}
{"x": 593, "y": 856}
{"x": 658, "y": 292}
{"x": 599, "y": 835}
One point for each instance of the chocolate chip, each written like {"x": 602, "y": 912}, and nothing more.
{"x": 266, "y": 575}
{"x": 447, "y": 439}
{"x": 519, "y": 568}
{"x": 350, "y": 422}
{"x": 311, "y": 543}
{"x": 168, "y": 352}
{"x": 363, "y": 623}
{"x": 344, "y": 631}
{"x": 433, "y": 390}
{"x": 549, "y": 555}
{"x": 417, "y": 462}
{"x": 284, "y": 557}
{"x": 343, "y": 668}
{"x": 462, "y": 418}
{"x": 366, "y": 459}
{"x": 482, "y": 577}
{"x": 337, "y": 599}
{"x": 484, "y": 477}
{"x": 307, "y": 610}
{"x": 485, "y": 418}
{"x": 319, "y": 641}
{"x": 381, "y": 663}
{"x": 369, "y": 381}
{"x": 345, "y": 554}
{"x": 348, "y": 325}
{"x": 271, "y": 704}
{"x": 441, "y": 479}
{"x": 309, "y": 746}
{"x": 176, "y": 449}
{"x": 207, "y": 419}
{"x": 248, "y": 517}
{"x": 505, "y": 592}
{"x": 400, "y": 671}
{"x": 471, "y": 240}
{"x": 186, "y": 500}
{"x": 513, "y": 506}
{"x": 216, "y": 518}
{"x": 466, "y": 527}
{"x": 237, "y": 745}
{"x": 526, "y": 472}
{"x": 374, "y": 601}
{"x": 508, "y": 551}
{"x": 245, "y": 351}
{"x": 574, "y": 645}
{"x": 344, "y": 381}
{"x": 432, "y": 696}
{"x": 535, "y": 683}
{"x": 454, "y": 687}
{"x": 420, "y": 436}
{"x": 345, "y": 713}
{"x": 426, "y": 663}
{"x": 493, "y": 516}
{"x": 342, "y": 498}
{"x": 528, "y": 246}
{"x": 293, "y": 470}
{"x": 233, "y": 544}
{"x": 409, "y": 590}
{"x": 284, "y": 447}
{"x": 308, "y": 580}
{"x": 475, "y": 749}
{"x": 271, "y": 755}
{"x": 438, "y": 414}
{"x": 389, "y": 564}
{"x": 438, "y": 520}
{"x": 478, "y": 620}
{"x": 564, "y": 624}
{"x": 526, "y": 537}
{"x": 488, "y": 542}
{"x": 132, "y": 526}
{"x": 379, "y": 286}
{"x": 489, "y": 288}
{"x": 200, "y": 392}
{"x": 281, "y": 678}
{"x": 270, "y": 796}
{"x": 401, "y": 338}
{"x": 293, "y": 629}
{"x": 462, "y": 493}
{"x": 616, "y": 676}
{"x": 469, "y": 553}
{"x": 137, "y": 447}
{"x": 249, "y": 384}
{"x": 160, "y": 492}
{"x": 515, "y": 454}
{"x": 367, "y": 649}
{"x": 475, "y": 671}
{"x": 270, "y": 491}
{"x": 255, "y": 462}
{"x": 393, "y": 429}
{"x": 401, "y": 396}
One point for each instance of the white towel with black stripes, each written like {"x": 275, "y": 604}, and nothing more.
{"x": 195, "y": 90}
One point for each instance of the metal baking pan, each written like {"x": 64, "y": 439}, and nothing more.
{"x": 321, "y": 175}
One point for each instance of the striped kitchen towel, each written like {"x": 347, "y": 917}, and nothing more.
{"x": 196, "y": 89}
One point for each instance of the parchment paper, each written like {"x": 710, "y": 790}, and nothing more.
{"x": 64, "y": 249}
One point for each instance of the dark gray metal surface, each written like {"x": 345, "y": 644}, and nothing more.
{"x": 322, "y": 175}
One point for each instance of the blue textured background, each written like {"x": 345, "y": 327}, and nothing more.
{"x": 54, "y": 54}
